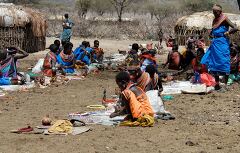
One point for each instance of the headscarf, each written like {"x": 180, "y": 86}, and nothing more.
{"x": 217, "y": 7}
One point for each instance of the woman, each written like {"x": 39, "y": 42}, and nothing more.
{"x": 133, "y": 100}
{"x": 174, "y": 59}
{"x": 217, "y": 58}
{"x": 66, "y": 59}
{"x": 49, "y": 64}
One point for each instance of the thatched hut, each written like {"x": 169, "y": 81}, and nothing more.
{"x": 22, "y": 27}
{"x": 197, "y": 24}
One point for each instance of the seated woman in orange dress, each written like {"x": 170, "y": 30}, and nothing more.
{"x": 133, "y": 100}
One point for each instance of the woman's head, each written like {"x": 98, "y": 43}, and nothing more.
{"x": 135, "y": 47}
{"x": 96, "y": 43}
{"x": 68, "y": 48}
{"x": 66, "y": 16}
{"x": 217, "y": 10}
{"x": 53, "y": 48}
{"x": 134, "y": 70}
{"x": 122, "y": 80}
{"x": 57, "y": 43}
{"x": 190, "y": 45}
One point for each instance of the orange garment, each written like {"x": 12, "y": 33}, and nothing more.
{"x": 143, "y": 81}
{"x": 48, "y": 63}
{"x": 98, "y": 51}
{"x": 138, "y": 101}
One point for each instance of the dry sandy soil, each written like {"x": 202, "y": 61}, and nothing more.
{"x": 204, "y": 123}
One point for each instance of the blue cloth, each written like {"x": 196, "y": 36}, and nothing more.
{"x": 64, "y": 63}
{"x": 145, "y": 63}
{"x": 85, "y": 59}
{"x": 5, "y": 81}
{"x": 78, "y": 53}
{"x": 89, "y": 50}
{"x": 217, "y": 57}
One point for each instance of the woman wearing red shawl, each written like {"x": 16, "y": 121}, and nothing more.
{"x": 49, "y": 64}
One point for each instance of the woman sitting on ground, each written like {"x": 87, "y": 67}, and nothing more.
{"x": 133, "y": 100}
{"x": 83, "y": 54}
{"x": 49, "y": 65}
{"x": 98, "y": 52}
{"x": 132, "y": 55}
{"x": 174, "y": 59}
{"x": 139, "y": 77}
{"x": 156, "y": 82}
{"x": 189, "y": 55}
{"x": 66, "y": 59}
{"x": 8, "y": 71}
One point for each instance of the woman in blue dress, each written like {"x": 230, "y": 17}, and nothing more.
{"x": 217, "y": 57}
{"x": 67, "y": 30}
{"x": 66, "y": 59}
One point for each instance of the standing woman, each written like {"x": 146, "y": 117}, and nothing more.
{"x": 67, "y": 30}
{"x": 217, "y": 57}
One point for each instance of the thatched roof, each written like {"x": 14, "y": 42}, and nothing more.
{"x": 17, "y": 16}
{"x": 203, "y": 20}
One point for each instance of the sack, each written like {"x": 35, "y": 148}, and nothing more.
{"x": 38, "y": 67}
{"x": 155, "y": 101}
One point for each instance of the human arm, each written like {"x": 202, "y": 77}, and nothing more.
{"x": 159, "y": 84}
{"x": 20, "y": 54}
{"x": 232, "y": 25}
{"x": 120, "y": 108}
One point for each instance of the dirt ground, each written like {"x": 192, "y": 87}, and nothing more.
{"x": 204, "y": 123}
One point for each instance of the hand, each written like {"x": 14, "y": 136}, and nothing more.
{"x": 114, "y": 114}
{"x": 227, "y": 34}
